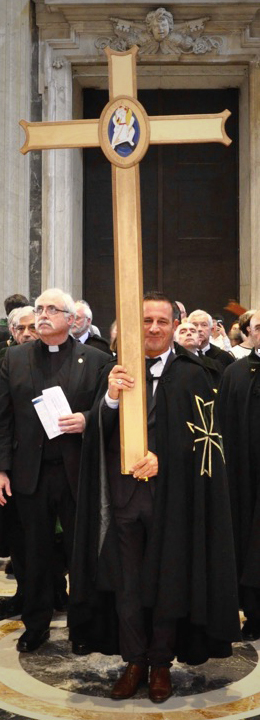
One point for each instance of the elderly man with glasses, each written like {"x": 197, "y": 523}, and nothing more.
{"x": 42, "y": 473}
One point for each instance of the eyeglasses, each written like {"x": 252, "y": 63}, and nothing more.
{"x": 49, "y": 309}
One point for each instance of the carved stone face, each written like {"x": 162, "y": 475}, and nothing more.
{"x": 160, "y": 27}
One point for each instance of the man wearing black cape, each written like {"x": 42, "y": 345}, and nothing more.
{"x": 239, "y": 412}
{"x": 162, "y": 547}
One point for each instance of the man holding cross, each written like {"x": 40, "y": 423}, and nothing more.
{"x": 159, "y": 537}
{"x": 181, "y": 568}
{"x": 125, "y": 157}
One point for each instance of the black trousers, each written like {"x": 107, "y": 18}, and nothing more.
{"x": 38, "y": 513}
{"x": 134, "y": 523}
{"x": 15, "y": 541}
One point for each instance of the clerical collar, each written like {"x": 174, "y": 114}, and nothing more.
{"x": 257, "y": 352}
{"x": 56, "y": 348}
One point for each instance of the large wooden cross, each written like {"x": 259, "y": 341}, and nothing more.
{"x": 124, "y": 132}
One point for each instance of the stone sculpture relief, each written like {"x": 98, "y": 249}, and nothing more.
{"x": 159, "y": 33}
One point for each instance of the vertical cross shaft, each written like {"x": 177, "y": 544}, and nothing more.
{"x": 128, "y": 279}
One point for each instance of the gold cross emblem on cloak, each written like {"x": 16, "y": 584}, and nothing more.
{"x": 206, "y": 434}
{"x": 124, "y": 132}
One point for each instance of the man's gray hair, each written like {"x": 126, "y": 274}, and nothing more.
{"x": 87, "y": 309}
{"x": 200, "y": 312}
{"x": 11, "y": 317}
{"x": 69, "y": 304}
{"x": 21, "y": 312}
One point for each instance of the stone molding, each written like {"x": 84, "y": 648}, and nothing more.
{"x": 223, "y": 32}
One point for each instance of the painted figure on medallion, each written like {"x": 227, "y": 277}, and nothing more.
{"x": 123, "y": 130}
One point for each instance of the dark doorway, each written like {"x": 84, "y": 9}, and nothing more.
{"x": 189, "y": 197}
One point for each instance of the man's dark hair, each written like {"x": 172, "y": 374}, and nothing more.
{"x": 15, "y": 301}
{"x": 157, "y": 295}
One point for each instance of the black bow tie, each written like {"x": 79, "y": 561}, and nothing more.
{"x": 149, "y": 362}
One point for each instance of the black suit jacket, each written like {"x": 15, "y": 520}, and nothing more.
{"x": 21, "y": 432}
{"x": 98, "y": 342}
{"x": 221, "y": 357}
{"x": 212, "y": 368}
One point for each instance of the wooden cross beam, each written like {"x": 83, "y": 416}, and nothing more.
{"x": 124, "y": 132}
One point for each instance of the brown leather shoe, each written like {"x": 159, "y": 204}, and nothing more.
{"x": 160, "y": 687}
{"x": 129, "y": 682}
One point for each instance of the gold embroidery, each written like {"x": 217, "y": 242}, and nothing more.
{"x": 208, "y": 437}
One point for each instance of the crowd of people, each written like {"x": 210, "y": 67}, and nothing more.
{"x": 160, "y": 560}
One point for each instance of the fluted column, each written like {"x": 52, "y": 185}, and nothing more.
{"x": 61, "y": 224}
{"x": 15, "y": 63}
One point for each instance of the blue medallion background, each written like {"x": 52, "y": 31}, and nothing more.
{"x": 124, "y": 149}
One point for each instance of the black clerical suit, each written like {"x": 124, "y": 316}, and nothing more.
{"x": 43, "y": 472}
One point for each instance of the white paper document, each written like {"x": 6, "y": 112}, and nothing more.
{"x": 50, "y": 406}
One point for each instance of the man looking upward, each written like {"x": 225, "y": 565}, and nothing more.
{"x": 42, "y": 473}
{"x": 187, "y": 335}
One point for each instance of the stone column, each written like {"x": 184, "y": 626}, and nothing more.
{"x": 15, "y": 63}
{"x": 61, "y": 226}
{"x": 255, "y": 180}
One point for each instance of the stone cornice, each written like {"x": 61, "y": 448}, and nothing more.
{"x": 228, "y": 32}
{"x": 55, "y": 5}
{"x": 53, "y": 12}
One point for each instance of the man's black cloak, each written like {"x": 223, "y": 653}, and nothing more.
{"x": 238, "y": 403}
{"x": 189, "y": 566}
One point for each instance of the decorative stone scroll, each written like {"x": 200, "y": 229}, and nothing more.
{"x": 159, "y": 33}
